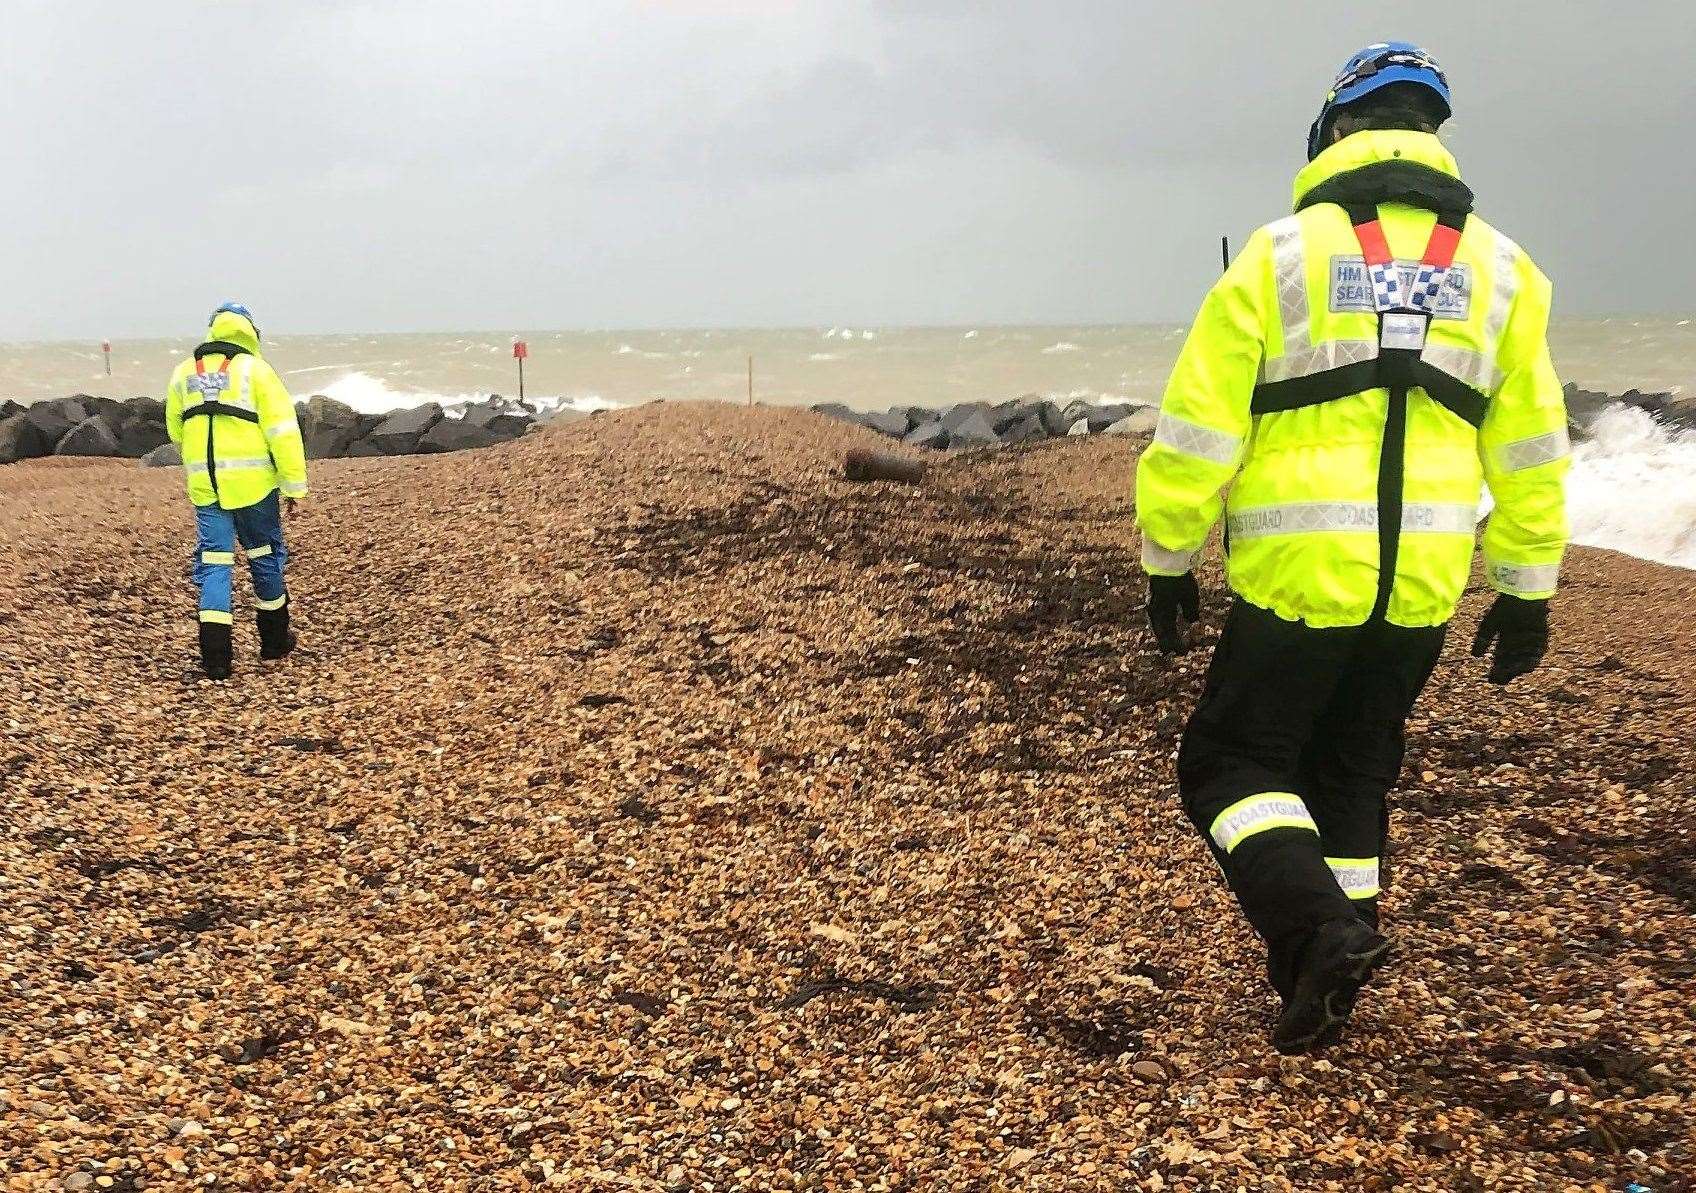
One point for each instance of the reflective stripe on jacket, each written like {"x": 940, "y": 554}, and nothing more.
{"x": 235, "y": 421}
{"x": 1295, "y": 311}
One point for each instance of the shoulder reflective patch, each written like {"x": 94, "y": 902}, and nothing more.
{"x": 1321, "y": 358}
{"x": 1472, "y": 369}
{"x": 1351, "y": 288}
{"x": 1259, "y": 814}
{"x": 1290, "y": 265}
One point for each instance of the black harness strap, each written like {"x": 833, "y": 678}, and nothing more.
{"x": 220, "y": 348}
{"x": 1271, "y": 397}
{"x": 206, "y": 409}
{"x": 1392, "y": 367}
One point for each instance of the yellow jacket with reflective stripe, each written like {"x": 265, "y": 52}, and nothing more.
{"x": 1301, "y": 513}
{"x": 229, "y": 460}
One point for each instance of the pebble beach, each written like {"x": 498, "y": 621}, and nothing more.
{"x": 650, "y": 808}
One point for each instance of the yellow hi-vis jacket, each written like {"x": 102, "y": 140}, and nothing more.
{"x": 235, "y": 421}
{"x": 1277, "y": 390}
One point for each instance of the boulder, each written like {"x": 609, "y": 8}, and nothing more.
{"x": 1006, "y": 414}
{"x": 963, "y": 413}
{"x": 1074, "y": 410}
{"x": 1680, "y": 411}
{"x": 147, "y": 409}
{"x": 1054, "y": 420}
{"x": 138, "y": 436}
{"x": 91, "y": 437}
{"x": 168, "y": 455}
{"x": 21, "y": 439}
{"x": 1138, "y": 422}
{"x": 514, "y": 426}
{"x": 9, "y": 408}
{"x": 931, "y": 434}
{"x": 362, "y": 448}
{"x": 455, "y": 434}
{"x": 1103, "y": 416}
{"x": 1583, "y": 405}
{"x": 51, "y": 421}
{"x": 1081, "y": 427}
{"x": 1027, "y": 429}
{"x": 839, "y": 412}
{"x": 917, "y": 416}
{"x": 893, "y": 423}
{"x": 490, "y": 411}
{"x": 100, "y": 406}
{"x": 327, "y": 427}
{"x": 976, "y": 431}
{"x": 399, "y": 433}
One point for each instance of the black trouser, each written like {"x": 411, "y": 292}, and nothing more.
{"x": 1286, "y": 762}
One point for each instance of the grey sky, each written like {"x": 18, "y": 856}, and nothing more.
{"x": 440, "y": 164}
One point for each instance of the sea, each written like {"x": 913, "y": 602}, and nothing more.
{"x": 1633, "y": 486}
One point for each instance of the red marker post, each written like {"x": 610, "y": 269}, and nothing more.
{"x": 106, "y": 347}
{"x": 520, "y": 353}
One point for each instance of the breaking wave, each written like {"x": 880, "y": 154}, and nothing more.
{"x": 373, "y": 395}
{"x": 1633, "y": 487}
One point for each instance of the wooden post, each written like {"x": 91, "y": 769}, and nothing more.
{"x": 750, "y": 380}
{"x": 106, "y": 347}
{"x": 520, "y": 350}
{"x": 1224, "y": 254}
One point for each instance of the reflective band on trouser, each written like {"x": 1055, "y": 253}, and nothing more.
{"x": 1522, "y": 579}
{"x": 259, "y": 552}
{"x": 1156, "y": 558}
{"x": 1259, "y": 814}
{"x": 269, "y": 605}
{"x": 1321, "y": 358}
{"x": 1193, "y": 439}
{"x": 1358, "y": 876}
{"x": 1539, "y": 449}
{"x": 225, "y": 558}
{"x": 1306, "y": 517}
{"x": 217, "y": 617}
{"x": 1290, "y": 264}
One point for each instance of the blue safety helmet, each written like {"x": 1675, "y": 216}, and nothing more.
{"x": 236, "y": 308}
{"x": 1378, "y": 65}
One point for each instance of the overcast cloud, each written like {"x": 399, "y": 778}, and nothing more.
{"x": 437, "y": 164}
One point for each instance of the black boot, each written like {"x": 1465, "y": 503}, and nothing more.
{"x": 275, "y": 640}
{"x": 1337, "y": 962}
{"x": 215, "y": 649}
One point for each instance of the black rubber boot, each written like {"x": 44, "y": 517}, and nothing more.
{"x": 275, "y": 640}
{"x": 1337, "y": 962}
{"x": 215, "y": 650}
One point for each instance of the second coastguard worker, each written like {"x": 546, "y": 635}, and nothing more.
{"x": 242, "y": 450}
{"x": 1360, "y": 371}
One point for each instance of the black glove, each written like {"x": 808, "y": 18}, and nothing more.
{"x": 1519, "y": 629}
{"x": 1167, "y": 597}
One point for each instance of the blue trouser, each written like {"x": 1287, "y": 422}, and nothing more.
{"x": 259, "y": 529}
